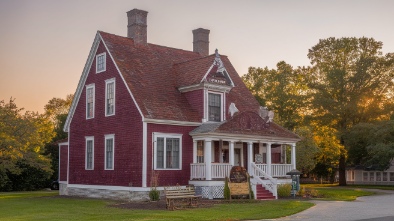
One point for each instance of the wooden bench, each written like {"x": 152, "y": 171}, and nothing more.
{"x": 178, "y": 197}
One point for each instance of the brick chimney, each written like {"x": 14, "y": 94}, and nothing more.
{"x": 201, "y": 41}
{"x": 137, "y": 27}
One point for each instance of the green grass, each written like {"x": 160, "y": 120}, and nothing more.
{"x": 335, "y": 192}
{"x": 44, "y": 205}
{"x": 386, "y": 187}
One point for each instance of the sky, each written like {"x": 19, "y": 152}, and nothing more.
{"x": 44, "y": 44}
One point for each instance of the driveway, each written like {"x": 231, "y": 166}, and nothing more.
{"x": 368, "y": 208}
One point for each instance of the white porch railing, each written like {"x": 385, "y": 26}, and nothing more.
{"x": 261, "y": 177}
{"x": 220, "y": 170}
{"x": 277, "y": 170}
{"x": 197, "y": 171}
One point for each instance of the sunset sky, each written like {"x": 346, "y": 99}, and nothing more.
{"x": 44, "y": 44}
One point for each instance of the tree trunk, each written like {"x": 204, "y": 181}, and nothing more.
{"x": 342, "y": 170}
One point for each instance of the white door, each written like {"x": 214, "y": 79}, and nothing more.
{"x": 237, "y": 157}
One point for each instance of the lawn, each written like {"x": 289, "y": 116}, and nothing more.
{"x": 335, "y": 192}
{"x": 46, "y": 205}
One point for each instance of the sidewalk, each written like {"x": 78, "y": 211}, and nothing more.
{"x": 367, "y": 208}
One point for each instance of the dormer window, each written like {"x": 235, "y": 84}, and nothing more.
{"x": 214, "y": 107}
{"x": 100, "y": 63}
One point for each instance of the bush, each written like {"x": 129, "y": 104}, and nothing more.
{"x": 226, "y": 192}
{"x": 154, "y": 194}
{"x": 284, "y": 190}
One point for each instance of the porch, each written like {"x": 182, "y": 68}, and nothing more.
{"x": 221, "y": 170}
{"x": 213, "y": 160}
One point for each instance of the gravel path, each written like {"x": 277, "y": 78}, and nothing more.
{"x": 368, "y": 208}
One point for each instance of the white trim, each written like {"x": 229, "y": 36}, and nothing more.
{"x": 63, "y": 143}
{"x": 107, "y": 82}
{"x": 244, "y": 138}
{"x": 68, "y": 158}
{"x": 87, "y": 87}
{"x": 105, "y": 62}
{"x": 89, "y": 138}
{"x": 107, "y": 137}
{"x": 207, "y": 85}
{"x": 171, "y": 122}
{"x": 144, "y": 153}
{"x": 101, "y": 187}
{"x": 155, "y": 135}
{"x": 81, "y": 83}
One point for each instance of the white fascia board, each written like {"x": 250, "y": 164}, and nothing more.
{"x": 82, "y": 80}
{"x": 171, "y": 122}
{"x": 124, "y": 81}
{"x": 244, "y": 138}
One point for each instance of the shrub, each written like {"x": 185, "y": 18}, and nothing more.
{"x": 226, "y": 191}
{"x": 284, "y": 190}
{"x": 154, "y": 194}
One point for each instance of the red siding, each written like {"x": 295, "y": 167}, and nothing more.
{"x": 63, "y": 161}
{"x": 196, "y": 101}
{"x": 126, "y": 125}
{"x": 172, "y": 177}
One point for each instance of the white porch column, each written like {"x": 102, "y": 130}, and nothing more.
{"x": 194, "y": 151}
{"x": 269, "y": 171}
{"x": 293, "y": 156}
{"x": 250, "y": 157}
{"x": 208, "y": 159}
{"x": 231, "y": 153}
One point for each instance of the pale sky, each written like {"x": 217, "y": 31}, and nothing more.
{"x": 44, "y": 44}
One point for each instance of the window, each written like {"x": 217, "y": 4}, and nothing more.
{"x": 214, "y": 107}
{"x": 110, "y": 97}
{"x": 109, "y": 151}
{"x": 200, "y": 151}
{"x": 90, "y": 101}
{"x": 100, "y": 62}
{"x": 168, "y": 151}
{"x": 89, "y": 161}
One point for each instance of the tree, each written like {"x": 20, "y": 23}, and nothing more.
{"x": 22, "y": 140}
{"x": 351, "y": 82}
{"x": 57, "y": 110}
{"x": 371, "y": 144}
{"x": 282, "y": 90}
{"x": 307, "y": 150}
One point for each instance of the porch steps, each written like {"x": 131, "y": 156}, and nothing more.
{"x": 263, "y": 194}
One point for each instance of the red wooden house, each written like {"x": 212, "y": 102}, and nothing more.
{"x": 141, "y": 107}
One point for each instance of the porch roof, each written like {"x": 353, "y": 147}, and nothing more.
{"x": 246, "y": 124}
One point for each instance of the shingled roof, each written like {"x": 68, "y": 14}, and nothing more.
{"x": 154, "y": 73}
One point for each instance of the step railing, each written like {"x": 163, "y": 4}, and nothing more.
{"x": 266, "y": 180}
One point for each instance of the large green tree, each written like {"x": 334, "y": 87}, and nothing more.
{"x": 351, "y": 82}
{"x": 57, "y": 110}
{"x": 22, "y": 140}
{"x": 282, "y": 90}
{"x": 371, "y": 144}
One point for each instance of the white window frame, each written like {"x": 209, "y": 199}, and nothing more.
{"x": 108, "y": 137}
{"x": 165, "y": 136}
{"x": 221, "y": 106}
{"x": 90, "y": 86}
{"x": 89, "y": 138}
{"x": 104, "y": 55}
{"x": 107, "y": 82}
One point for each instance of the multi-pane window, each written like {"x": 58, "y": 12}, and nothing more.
{"x": 89, "y": 161}
{"x": 200, "y": 151}
{"x": 168, "y": 152}
{"x": 110, "y": 97}
{"x": 100, "y": 63}
{"x": 90, "y": 101}
{"x": 214, "y": 107}
{"x": 109, "y": 152}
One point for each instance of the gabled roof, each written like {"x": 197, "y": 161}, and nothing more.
{"x": 246, "y": 123}
{"x": 153, "y": 75}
